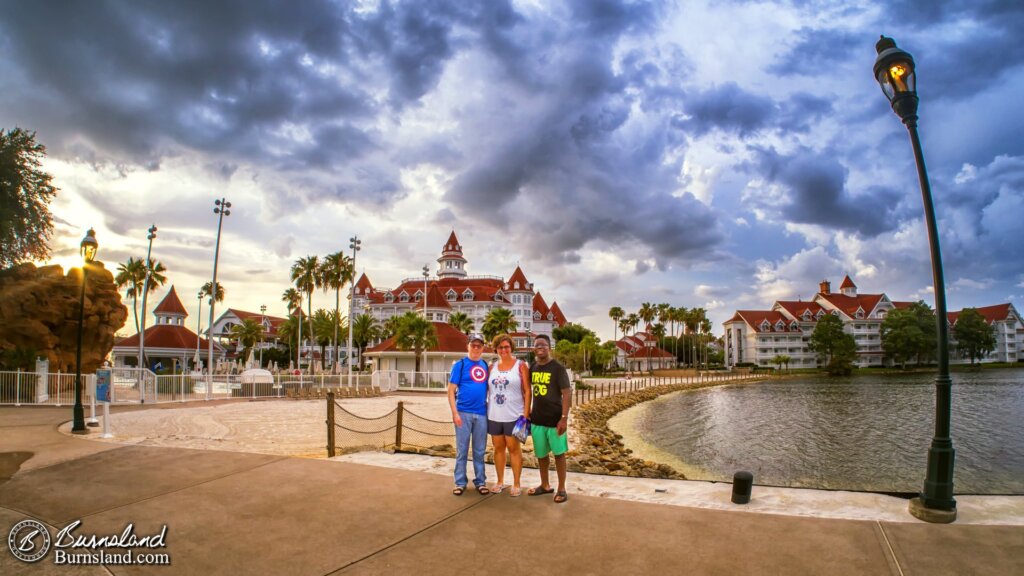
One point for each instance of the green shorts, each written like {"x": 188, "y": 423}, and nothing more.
{"x": 547, "y": 440}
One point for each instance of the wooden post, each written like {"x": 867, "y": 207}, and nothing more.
{"x": 398, "y": 426}
{"x": 330, "y": 424}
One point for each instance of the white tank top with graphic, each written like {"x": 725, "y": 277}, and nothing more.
{"x": 505, "y": 394}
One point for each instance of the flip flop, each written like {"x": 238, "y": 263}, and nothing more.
{"x": 483, "y": 490}
{"x": 458, "y": 490}
{"x": 497, "y": 488}
{"x": 561, "y": 497}
{"x": 539, "y": 491}
{"x": 515, "y": 491}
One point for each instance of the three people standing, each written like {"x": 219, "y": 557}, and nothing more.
{"x": 490, "y": 399}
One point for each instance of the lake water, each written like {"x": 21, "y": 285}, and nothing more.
{"x": 857, "y": 433}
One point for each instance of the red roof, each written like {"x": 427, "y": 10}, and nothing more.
{"x": 847, "y": 283}
{"x": 559, "y": 317}
{"x": 448, "y": 340}
{"x": 434, "y": 299}
{"x": 452, "y": 246}
{"x": 167, "y": 336}
{"x": 363, "y": 285}
{"x": 518, "y": 276}
{"x": 170, "y": 305}
{"x": 849, "y": 304}
{"x": 539, "y": 305}
{"x": 655, "y": 352}
{"x": 275, "y": 321}
{"x": 996, "y": 313}
{"x": 483, "y": 289}
{"x": 797, "y": 308}
{"x": 754, "y": 318}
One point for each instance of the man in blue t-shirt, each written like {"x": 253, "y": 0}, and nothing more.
{"x": 467, "y": 396}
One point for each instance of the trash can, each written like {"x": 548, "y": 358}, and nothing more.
{"x": 742, "y": 482}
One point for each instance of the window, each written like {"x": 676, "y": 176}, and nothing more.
{"x": 451, "y": 295}
{"x": 403, "y": 297}
{"x": 467, "y": 294}
{"x": 536, "y": 315}
{"x": 389, "y": 297}
{"x": 780, "y": 326}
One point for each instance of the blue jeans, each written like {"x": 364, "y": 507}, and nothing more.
{"x": 474, "y": 427}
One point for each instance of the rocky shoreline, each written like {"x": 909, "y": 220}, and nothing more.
{"x": 594, "y": 447}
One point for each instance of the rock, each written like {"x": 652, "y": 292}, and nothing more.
{"x": 622, "y": 473}
{"x": 39, "y": 311}
{"x": 596, "y": 470}
{"x": 575, "y": 467}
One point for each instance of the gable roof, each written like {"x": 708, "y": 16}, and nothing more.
{"x": 434, "y": 299}
{"x": 996, "y": 313}
{"x": 168, "y": 336}
{"x": 518, "y": 276}
{"x": 755, "y": 318}
{"x": 559, "y": 317}
{"x": 796, "y": 309}
{"x": 849, "y": 304}
{"x": 539, "y": 305}
{"x": 170, "y": 305}
{"x": 448, "y": 340}
{"x": 363, "y": 285}
{"x": 847, "y": 283}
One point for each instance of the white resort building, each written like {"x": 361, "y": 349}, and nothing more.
{"x": 755, "y": 337}
{"x": 454, "y": 290}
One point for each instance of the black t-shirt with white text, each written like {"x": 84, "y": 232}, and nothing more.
{"x": 548, "y": 381}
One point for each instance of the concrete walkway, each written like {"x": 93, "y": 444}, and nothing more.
{"x": 241, "y": 513}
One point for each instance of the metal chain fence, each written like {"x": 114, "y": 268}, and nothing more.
{"x": 399, "y": 430}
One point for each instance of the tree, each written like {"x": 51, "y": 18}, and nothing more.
{"x": 574, "y": 333}
{"x": 390, "y": 326}
{"x": 25, "y": 194}
{"x": 130, "y": 277}
{"x": 461, "y": 322}
{"x": 335, "y": 271}
{"x": 647, "y": 313}
{"x": 625, "y": 325}
{"x": 616, "y": 313}
{"x": 364, "y": 330}
{"x": 248, "y": 333}
{"x": 207, "y": 290}
{"x": 835, "y": 348}
{"x": 304, "y": 275}
{"x": 293, "y": 299}
{"x": 498, "y": 321}
{"x": 974, "y": 337}
{"x": 416, "y": 333}
{"x": 322, "y": 329}
{"x": 909, "y": 333}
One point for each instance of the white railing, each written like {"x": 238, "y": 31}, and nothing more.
{"x": 391, "y": 380}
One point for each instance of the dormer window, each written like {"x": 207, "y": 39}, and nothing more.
{"x": 835, "y": 313}
{"x": 780, "y": 325}
{"x": 389, "y": 297}
{"x": 536, "y": 316}
{"x": 807, "y": 315}
{"x": 498, "y": 296}
{"x": 765, "y": 326}
{"x": 819, "y": 314}
{"x": 467, "y": 294}
{"x": 859, "y": 313}
{"x": 403, "y": 297}
{"x": 517, "y": 285}
{"x": 451, "y": 295}
{"x": 794, "y": 327}
{"x": 551, "y": 315}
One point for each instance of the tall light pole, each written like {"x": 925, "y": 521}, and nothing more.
{"x": 894, "y": 71}
{"x": 221, "y": 208}
{"x": 426, "y": 274}
{"x": 263, "y": 326}
{"x": 199, "y": 327}
{"x": 87, "y": 249}
{"x": 145, "y": 293}
{"x": 354, "y": 244}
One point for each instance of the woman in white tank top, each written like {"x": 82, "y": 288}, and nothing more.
{"x": 508, "y": 397}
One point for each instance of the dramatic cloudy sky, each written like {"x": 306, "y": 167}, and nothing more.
{"x": 715, "y": 154}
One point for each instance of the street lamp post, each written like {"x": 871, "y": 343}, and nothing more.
{"x": 263, "y": 324}
{"x": 221, "y": 208}
{"x": 426, "y": 274}
{"x": 142, "y": 328}
{"x": 199, "y": 327}
{"x": 88, "y": 251}
{"x": 894, "y": 71}
{"x": 354, "y": 244}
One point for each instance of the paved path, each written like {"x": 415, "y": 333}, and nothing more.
{"x": 260, "y": 514}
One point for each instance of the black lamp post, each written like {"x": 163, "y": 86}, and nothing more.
{"x": 88, "y": 251}
{"x": 894, "y": 70}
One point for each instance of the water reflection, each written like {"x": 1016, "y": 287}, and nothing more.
{"x": 859, "y": 433}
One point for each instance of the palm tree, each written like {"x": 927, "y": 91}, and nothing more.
{"x": 323, "y": 327}
{"x": 624, "y": 325}
{"x": 705, "y": 330}
{"x": 131, "y": 275}
{"x": 691, "y": 322}
{"x": 293, "y": 299}
{"x": 616, "y": 313}
{"x": 678, "y": 315}
{"x": 415, "y": 333}
{"x": 206, "y": 290}
{"x": 634, "y": 321}
{"x": 364, "y": 330}
{"x": 248, "y": 333}
{"x": 658, "y": 331}
{"x": 390, "y": 327}
{"x": 647, "y": 313}
{"x": 498, "y": 321}
{"x": 304, "y": 274}
{"x": 461, "y": 322}
{"x": 336, "y": 271}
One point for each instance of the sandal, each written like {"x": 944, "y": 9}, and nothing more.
{"x": 458, "y": 490}
{"x": 515, "y": 491}
{"x": 561, "y": 497}
{"x": 539, "y": 490}
{"x": 497, "y": 488}
{"x": 483, "y": 490}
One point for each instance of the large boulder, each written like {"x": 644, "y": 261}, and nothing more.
{"x": 39, "y": 311}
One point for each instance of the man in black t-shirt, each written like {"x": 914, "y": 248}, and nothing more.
{"x": 549, "y": 417}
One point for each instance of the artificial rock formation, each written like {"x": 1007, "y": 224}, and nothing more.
{"x": 39, "y": 311}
